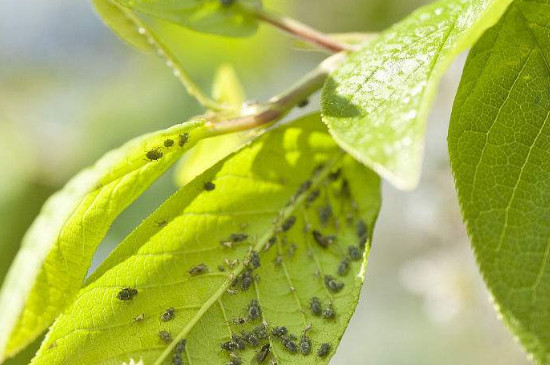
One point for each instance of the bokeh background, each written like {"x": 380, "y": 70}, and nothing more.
{"x": 70, "y": 90}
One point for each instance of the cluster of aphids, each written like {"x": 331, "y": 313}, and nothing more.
{"x": 156, "y": 154}
{"x": 260, "y": 337}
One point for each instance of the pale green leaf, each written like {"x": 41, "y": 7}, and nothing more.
{"x": 209, "y": 16}
{"x": 227, "y": 88}
{"x": 122, "y": 23}
{"x": 57, "y": 249}
{"x": 377, "y": 102}
{"x": 499, "y": 144}
{"x": 256, "y": 191}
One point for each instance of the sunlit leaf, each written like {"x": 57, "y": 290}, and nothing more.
{"x": 57, "y": 249}
{"x": 377, "y": 102}
{"x": 210, "y": 16}
{"x": 191, "y": 270}
{"x": 499, "y": 144}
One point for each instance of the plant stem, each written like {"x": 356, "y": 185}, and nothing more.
{"x": 172, "y": 62}
{"x": 280, "y": 105}
{"x": 298, "y": 29}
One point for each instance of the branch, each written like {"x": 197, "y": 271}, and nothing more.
{"x": 280, "y": 105}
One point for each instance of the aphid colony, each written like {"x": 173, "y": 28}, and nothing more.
{"x": 156, "y": 154}
{"x": 260, "y": 336}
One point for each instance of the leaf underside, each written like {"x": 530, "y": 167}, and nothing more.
{"x": 376, "y": 103}
{"x": 256, "y": 191}
{"x": 209, "y": 16}
{"x": 499, "y": 144}
{"x": 57, "y": 249}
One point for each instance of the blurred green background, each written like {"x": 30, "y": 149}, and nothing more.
{"x": 70, "y": 91}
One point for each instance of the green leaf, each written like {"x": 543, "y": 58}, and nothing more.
{"x": 121, "y": 21}
{"x": 377, "y": 102}
{"x": 209, "y": 16}
{"x": 227, "y": 88}
{"x": 57, "y": 249}
{"x": 499, "y": 141}
{"x": 255, "y": 194}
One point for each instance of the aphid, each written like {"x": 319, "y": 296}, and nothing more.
{"x": 333, "y": 284}
{"x": 154, "y": 154}
{"x": 168, "y": 143}
{"x": 279, "y": 331}
{"x": 362, "y": 229}
{"x": 325, "y": 213}
{"x": 270, "y": 243}
{"x": 313, "y": 196}
{"x": 322, "y": 240}
{"x": 254, "y": 310}
{"x": 291, "y": 346}
{"x": 288, "y": 223}
{"x": 176, "y": 359}
{"x": 239, "y": 341}
{"x": 263, "y": 354}
{"x": 180, "y": 346}
{"x": 127, "y": 294}
{"x": 303, "y": 188}
{"x": 315, "y": 306}
{"x": 139, "y": 318}
{"x": 324, "y": 350}
{"x": 229, "y": 346}
{"x": 235, "y": 360}
{"x": 226, "y": 2}
{"x": 209, "y": 186}
{"x": 328, "y": 312}
{"x": 251, "y": 339}
{"x": 363, "y": 241}
{"x": 240, "y": 320}
{"x": 162, "y": 223}
{"x": 255, "y": 259}
{"x": 198, "y": 270}
{"x": 303, "y": 103}
{"x": 345, "y": 190}
{"x": 333, "y": 176}
{"x": 246, "y": 280}
{"x": 291, "y": 250}
{"x": 165, "y": 336}
{"x": 231, "y": 291}
{"x": 221, "y": 268}
{"x": 183, "y": 139}
{"x": 231, "y": 263}
{"x": 168, "y": 315}
{"x": 260, "y": 332}
{"x": 343, "y": 268}
{"x": 354, "y": 253}
{"x": 238, "y": 237}
{"x": 305, "y": 345}
{"x": 278, "y": 260}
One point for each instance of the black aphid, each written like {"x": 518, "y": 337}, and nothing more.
{"x": 345, "y": 190}
{"x": 246, "y": 280}
{"x": 238, "y": 237}
{"x": 183, "y": 139}
{"x": 235, "y": 360}
{"x": 221, "y": 268}
{"x": 168, "y": 315}
{"x": 325, "y": 213}
{"x": 362, "y": 229}
{"x": 255, "y": 259}
{"x": 354, "y": 253}
{"x": 315, "y": 306}
{"x": 180, "y": 346}
{"x": 162, "y": 223}
{"x": 254, "y": 310}
{"x": 154, "y": 154}
{"x": 329, "y": 312}
{"x": 168, "y": 143}
{"x": 176, "y": 359}
{"x": 198, "y": 270}
{"x": 209, "y": 186}
{"x": 165, "y": 336}
{"x": 263, "y": 354}
{"x": 333, "y": 284}
{"x": 322, "y": 240}
{"x": 305, "y": 345}
{"x": 127, "y": 294}
{"x": 324, "y": 350}
{"x": 313, "y": 196}
{"x": 226, "y": 2}
{"x": 333, "y": 176}
{"x": 279, "y": 331}
{"x": 241, "y": 345}
{"x": 303, "y": 103}
{"x": 251, "y": 339}
{"x": 229, "y": 346}
{"x": 287, "y": 224}
{"x": 270, "y": 243}
{"x": 303, "y": 188}
{"x": 260, "y": 332}
{"x": 291, "y": 346}
{"x": 343, "y": 268}
{"x": 240, "y": 320}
